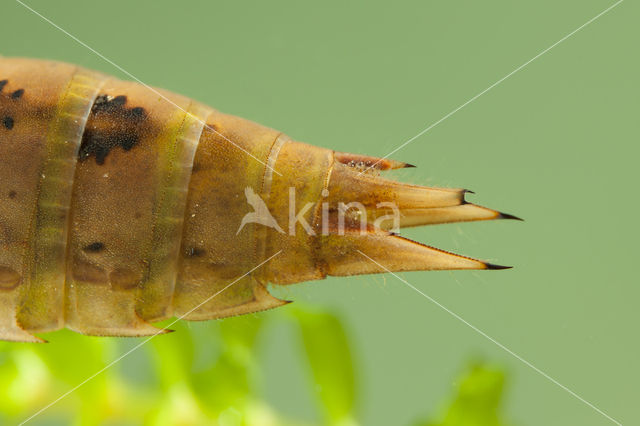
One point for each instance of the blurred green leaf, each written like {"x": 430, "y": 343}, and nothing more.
{"x": 477, "y": 401}
{"x": 204, "y": 374}
{"x": 24, "y": 380}
{"x": 226, "y": 386}
{"x": 173, "y": 355}
{"x": 329, "y": 355}
{"x": 34, "y": 375}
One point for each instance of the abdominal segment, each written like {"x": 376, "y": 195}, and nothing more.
{"x": 122, "y": 205}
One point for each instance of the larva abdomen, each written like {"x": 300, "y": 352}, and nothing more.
{"x": 120, "y": 205}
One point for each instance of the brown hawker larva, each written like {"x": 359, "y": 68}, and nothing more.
{"x": 121, "y": 206}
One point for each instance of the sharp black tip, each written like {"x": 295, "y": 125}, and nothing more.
{"x": 468, "y": 191}
{"x": 407, "y": 165}
{"x": 494, "y": 266}
{"x": 510, "y": 216}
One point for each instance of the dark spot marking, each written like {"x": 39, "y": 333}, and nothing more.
{"x": 128, "y": 141}
{"x": 118, "y": 101}
{"x": 100, "y": 145}
{"x": 138, "y": 215}
{"x": 107, "y": 103}
{"x": 8, "y": 122}
{"x": 12, "y": 194}
{"x": 96, "y": 247}
{"x": 18, "y": 93}
{"x": 194, "y": 252}
{"x": 100, "y": 100}
{"x": 111, "y": 125}
{"x": 2, "y": 84}
{"x": 138, "y": 112}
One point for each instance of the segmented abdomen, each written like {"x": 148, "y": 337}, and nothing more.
{"x": 119, "y": 206}
{"x": 94, "y": 178}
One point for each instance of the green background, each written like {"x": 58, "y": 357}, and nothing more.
{"x": 556, "y": 143}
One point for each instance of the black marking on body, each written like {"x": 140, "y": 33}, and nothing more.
{"x": 194, "y": 252}
{"x": 138, "y": 112}
{"x": 12, "y": 194}
{"x": 96, "y": 247}
{"x": 111, "y": 125}
{"x": 8, "y": 122}
{"x": 108, "y": 103}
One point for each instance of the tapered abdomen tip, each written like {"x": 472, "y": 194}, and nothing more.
{"x": 494, "y": 266}
{"x": 509, "y": 216}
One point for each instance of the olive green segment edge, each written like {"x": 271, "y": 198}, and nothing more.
{"x": 175, "y": 163}
{"x": 42, "y": 307}
{"x": 262, "y": 233}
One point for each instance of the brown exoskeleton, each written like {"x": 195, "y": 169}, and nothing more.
{"x": 121, "y": 206}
